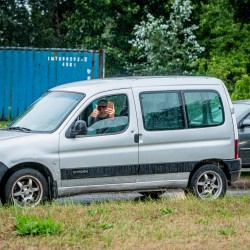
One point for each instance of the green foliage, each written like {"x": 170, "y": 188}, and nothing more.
{"x": 223, "y": 212}
{"x": 203, "y": 220}
{"x": 242, "y": 89}
{"x": 228, "y": 68}
{"x": 227, "y": 231}
{"x": 3, "y": 124}
{"x": 103, "y": 25}
{"x": 242, "y": 10}
{"x": 91, "y": 212}
{"x": 106, "y": 225}
{"x": 33, "y": 225}
{"x": 109, "y": 25}
{"x": 168, "y": 211}
{"x": 15, "y": 25}
{"x": 167, "y": 47}
{"x": 169, "y": 42}
{"x": 97, "y": 211}
{"x": 226, "y": 40}
{"x": 33, "y": 23}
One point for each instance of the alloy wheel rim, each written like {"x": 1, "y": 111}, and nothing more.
{"x": 209, "y": 185}
{"x": 27, "y": 191}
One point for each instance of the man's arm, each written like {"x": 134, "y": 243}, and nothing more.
{"x": 92, "y": 120}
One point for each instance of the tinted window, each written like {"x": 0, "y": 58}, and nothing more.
{"x": 204, "y": 108}
{"x": 162, "y": 111}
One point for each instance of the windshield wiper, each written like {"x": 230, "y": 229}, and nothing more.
{"x": 26, "y": 130}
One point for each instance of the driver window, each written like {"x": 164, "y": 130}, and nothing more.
{"x": 106, "y": 115}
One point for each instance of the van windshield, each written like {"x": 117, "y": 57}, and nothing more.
{"x": 47, "y": 113}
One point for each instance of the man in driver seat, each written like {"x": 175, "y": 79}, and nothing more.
{"x": 104, "y": 109}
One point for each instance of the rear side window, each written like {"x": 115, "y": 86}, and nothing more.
{"x": 162, "y": 110}
{"x": 203, "y": 108}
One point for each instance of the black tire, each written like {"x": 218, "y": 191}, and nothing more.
{"x": 26, "y": 188}
{"x": 208, "y": 182}
{"x": 152, "y": 194}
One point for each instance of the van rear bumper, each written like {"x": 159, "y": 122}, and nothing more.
{"x": 234, "y": 169}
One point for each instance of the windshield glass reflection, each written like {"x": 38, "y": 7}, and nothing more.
{"x": 46, "y": 114}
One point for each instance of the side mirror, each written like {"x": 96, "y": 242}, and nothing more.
{"x": 80, "y": 128}
{"x": 245, "y": 123}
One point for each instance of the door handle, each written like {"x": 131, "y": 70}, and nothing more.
{"x": 137, "y": 138}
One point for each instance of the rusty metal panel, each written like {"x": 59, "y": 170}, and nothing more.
{"x": 27, "y": 73}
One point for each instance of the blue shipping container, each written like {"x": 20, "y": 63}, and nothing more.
{"x": 27, "y": 73}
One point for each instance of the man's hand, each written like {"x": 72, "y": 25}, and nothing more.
{"x": 110, "y": 112}
{"x": 95, "y": 112}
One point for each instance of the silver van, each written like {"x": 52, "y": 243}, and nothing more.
{"x": 143, "y": 134}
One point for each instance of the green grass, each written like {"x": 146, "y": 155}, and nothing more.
{"x": 162, "y": 224}
{"x": 4, "y": 123}
{"x": 245, "y": 175}
{"x": 32, "y": 225}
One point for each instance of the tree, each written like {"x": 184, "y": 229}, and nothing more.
{"x": 226, "y": 40}
{"x": 242, "y": 89}
{"x": 48, "y": 22}
{"x": 15, "y": 25}
{"x": 167, "y": 47}
{"x": 241, "y": 10}
{"x": 33, "y": 23}
{"x": 105, "y": 24}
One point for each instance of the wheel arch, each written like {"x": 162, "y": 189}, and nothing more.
{"x": 217, "y": 162}
{"x": 52, "y": 185}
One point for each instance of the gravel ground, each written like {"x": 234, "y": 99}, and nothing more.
{"x": 242, "y": 183}
{"x": 241, "y": 187}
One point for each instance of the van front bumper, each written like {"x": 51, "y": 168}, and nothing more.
{"x": 234, "y": 169}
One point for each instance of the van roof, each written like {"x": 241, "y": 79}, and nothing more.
{"x": 105, "y": 84}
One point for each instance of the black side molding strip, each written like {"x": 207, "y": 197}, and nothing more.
{"x": 234, "y": 165}
{"x": 126, "y": 170}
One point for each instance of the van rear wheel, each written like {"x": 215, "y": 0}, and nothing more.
{"x": 26, "y": 188}
{"x": 208, "y": 182}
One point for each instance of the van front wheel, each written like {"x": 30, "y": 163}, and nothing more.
{"x": 208, "y": 182}
{"x": 26, "y": 188}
